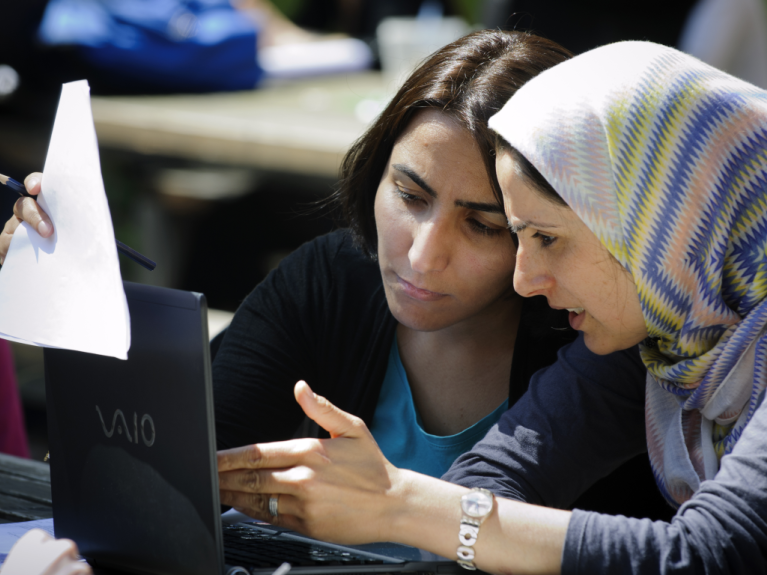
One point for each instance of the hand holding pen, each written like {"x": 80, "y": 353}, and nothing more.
{"x": 27, "y": 209}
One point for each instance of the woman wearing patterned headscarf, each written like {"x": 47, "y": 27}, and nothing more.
{"x": 636, "y": 181}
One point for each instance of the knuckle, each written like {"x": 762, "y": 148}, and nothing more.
{"x": 253, "y": 481}
{"x": 18, "y": 207}
{"x": 303, "y": 481}
{"x": 29, "y": 207}
{"x": 307, "y": 447}
{"x": 28, "y": 210}
{"x": 260, "y": 504}
{"x": 255, "y": 455}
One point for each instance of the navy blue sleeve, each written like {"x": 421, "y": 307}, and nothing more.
{"x": 581, "y": 418}
{"x": 721, "y": 529}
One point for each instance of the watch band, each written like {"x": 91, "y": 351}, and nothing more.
{"x": 477, "y": 505}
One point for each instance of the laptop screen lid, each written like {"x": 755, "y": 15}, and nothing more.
{"x": 133, "y": 456}
{"x": 132, "y": 443}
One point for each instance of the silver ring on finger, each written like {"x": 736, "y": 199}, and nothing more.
{"x": 274, "y": 501}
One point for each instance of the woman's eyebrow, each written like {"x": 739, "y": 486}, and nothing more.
{"x": 518, "y": 227}
{"x": 481, "y": 206}
{"x": 478, "y": 206}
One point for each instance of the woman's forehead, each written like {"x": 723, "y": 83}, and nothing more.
{"x": 443, "y": 154}
{"x": 433, "y": 124}
{"x": 525, "y": 206}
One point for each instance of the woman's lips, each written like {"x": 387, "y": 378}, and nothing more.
{"x": 576, "y": 319}
{"x": 418, "y": 293}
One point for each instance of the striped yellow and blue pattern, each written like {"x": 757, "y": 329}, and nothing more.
{"x": 665, "y": 159}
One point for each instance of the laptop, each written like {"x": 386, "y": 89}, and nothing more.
{"x": 133, "y": 461}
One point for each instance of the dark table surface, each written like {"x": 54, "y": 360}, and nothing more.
{"x": 25, "y": 490}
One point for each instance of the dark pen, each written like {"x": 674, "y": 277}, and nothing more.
{"x": 127, "y": 251}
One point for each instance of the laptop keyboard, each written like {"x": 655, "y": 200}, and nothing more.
{"x": 255, "y": 549}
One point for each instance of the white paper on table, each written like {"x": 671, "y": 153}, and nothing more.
{"x": 66, "y": 290}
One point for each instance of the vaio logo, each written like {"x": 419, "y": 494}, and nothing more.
{"x": 146, "y": 427}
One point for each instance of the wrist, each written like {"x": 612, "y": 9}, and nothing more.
{"x": 402, "y": 499}
{"x": 424, "y": 512}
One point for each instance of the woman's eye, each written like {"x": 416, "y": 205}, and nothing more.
{"x": 406, "y": 196}
{"x": 546, "y": 241}
{"x": 484, "y": 229}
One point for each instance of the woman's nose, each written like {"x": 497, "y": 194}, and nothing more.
{"x": 431, "y": 247}
{"x": 530, "y": 275}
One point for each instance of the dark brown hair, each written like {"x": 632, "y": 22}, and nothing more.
{"x": 469, "y": 80}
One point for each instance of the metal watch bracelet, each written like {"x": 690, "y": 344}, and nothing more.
{"x": 477, "y": 505}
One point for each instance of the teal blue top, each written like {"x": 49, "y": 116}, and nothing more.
{"x": 398, "y": 428}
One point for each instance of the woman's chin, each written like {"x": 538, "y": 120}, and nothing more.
{"x": 602, "y": 344}
{"x": 420, "y": 322}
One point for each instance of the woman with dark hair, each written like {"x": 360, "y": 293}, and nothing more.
{"x": 398, "y": 316}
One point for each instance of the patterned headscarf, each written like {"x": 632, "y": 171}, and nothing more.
{"x": 665, "y": 160}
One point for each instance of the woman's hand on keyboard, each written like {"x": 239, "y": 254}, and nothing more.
{"x": 27, "y": 210}
{"x": 337, "y": 489}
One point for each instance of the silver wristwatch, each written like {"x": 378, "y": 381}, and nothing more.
{"x": 477, "y": 505}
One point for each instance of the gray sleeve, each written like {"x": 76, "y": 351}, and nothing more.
{"x": 721, "y": 529}
{"x": 580, "y": 419}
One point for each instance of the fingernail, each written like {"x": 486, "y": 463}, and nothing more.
{"x": 44, "y": 229}
{"x": 32, "y": 182}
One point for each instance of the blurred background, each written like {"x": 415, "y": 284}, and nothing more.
{"x": 222, "y": 124}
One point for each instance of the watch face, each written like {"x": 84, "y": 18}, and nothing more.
{"x": 476, "y": 504}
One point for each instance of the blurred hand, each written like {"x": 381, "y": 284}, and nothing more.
{"x": 339, "y": 489}
{"x": 37, "y": 553}
{"x": 27, "y": 210}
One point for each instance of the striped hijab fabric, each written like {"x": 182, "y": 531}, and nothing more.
{"x": 665, "y": 160}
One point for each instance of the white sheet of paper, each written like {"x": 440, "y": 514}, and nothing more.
{"x": 66, "y": 290}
